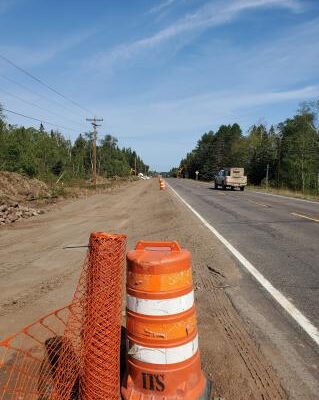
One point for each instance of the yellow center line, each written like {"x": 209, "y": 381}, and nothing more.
{"x": 260, "y": 204}
{"x": 221, "y": 193}
{"x": 305, "y": 216}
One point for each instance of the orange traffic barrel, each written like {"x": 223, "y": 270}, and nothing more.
{"x": 162, "y": 184}
{"x": 163, "y": 360}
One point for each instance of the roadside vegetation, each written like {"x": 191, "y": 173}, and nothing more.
{"x": 49, "y": 156}
{"x": 289, "y": 150}
{"x": 297, "y": 194}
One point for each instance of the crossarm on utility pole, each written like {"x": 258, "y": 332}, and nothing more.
{"x": 95, "y": 125}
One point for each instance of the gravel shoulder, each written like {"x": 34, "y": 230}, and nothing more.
{"x": 39, "y": 275}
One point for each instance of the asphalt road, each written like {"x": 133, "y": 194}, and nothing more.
{"x": 278, "y": 235}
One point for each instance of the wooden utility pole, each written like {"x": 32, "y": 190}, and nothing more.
{"x": 267, "y": 177}
{"x": 95, "y": 125}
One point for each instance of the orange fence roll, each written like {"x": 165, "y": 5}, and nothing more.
{"x": 163, "y": 360}
{"x": 103, "y": 317}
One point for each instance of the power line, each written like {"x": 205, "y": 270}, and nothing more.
{"x": 41, "y": 82}
{"x": 36, "y": 105}
{"x": 39, "y": 120}
{"x": 37, "y": 94}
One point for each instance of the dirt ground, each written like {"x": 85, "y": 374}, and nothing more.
{"x": 18, "y": 188}
{"x": 38, "y": 274}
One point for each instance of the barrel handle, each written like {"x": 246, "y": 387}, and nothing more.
{"x": 142, "y": 245}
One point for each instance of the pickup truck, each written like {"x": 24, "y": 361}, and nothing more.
{"x": 231, "y": 178}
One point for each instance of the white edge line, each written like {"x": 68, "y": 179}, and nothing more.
{"x": 303, "y": 321}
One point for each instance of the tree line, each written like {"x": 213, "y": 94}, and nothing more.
{"x": 46, "y": 155}
{"x": 290, "y": 152}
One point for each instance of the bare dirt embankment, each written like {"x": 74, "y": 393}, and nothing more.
{"x": 15, "y": 187}
{"x": 17, "y": 196}
{"x": 22, "y": 197}
{"x": 39, "y": 275}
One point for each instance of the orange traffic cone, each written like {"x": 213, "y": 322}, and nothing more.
{"x": 162, "y": 184}
{"x": 163, "y": 360}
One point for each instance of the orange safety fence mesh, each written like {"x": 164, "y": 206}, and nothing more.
{"x": 74, "y": 352}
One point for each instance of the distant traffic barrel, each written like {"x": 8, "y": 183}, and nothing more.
{"x": 163, "y": 360}
{"x": 162, "y": 184}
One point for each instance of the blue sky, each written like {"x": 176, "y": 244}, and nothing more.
{"x": 160, "y": 72}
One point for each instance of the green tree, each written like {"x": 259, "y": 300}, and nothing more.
{"x": 36, "y": 152}
{"x": 289, "y": 151}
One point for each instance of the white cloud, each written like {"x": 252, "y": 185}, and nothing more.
{"x": 233, "y": 101}
{"x": 166, "y": 131}
{"x": 36, "y": 56}
{"x": 292, "y": 5}
{"x": 210, "y": 15}
{"x": 163, "y": 5}
{"x": 198, "y": 113}
{"x": 289, "y": 60}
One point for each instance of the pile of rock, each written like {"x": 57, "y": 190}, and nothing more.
{"x": 10, "y": 213}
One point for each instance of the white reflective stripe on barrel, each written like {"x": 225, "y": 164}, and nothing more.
{"x": 164, "y": 355}
{"x": 160, "y": 307}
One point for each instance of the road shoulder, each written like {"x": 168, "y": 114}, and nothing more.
{"x": 234, "y": 354}
{"x": 292, "y": 355}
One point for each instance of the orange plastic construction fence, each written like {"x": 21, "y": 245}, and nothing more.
{"x": 102, "y": 325}
{"x": 32, "y": 359}
{"x": 73, "y": 353}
